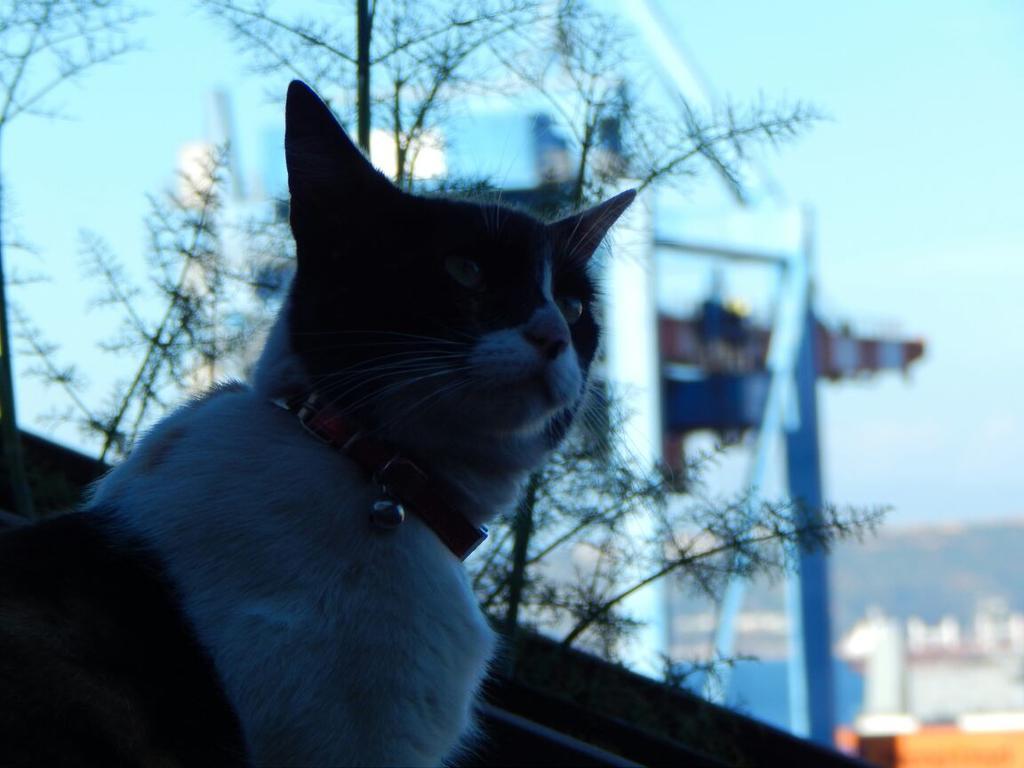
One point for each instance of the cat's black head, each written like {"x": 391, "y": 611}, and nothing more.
{"x": 441, "y": 324}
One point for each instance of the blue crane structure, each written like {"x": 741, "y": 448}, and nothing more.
{"x": 739, "y": 378}
{"x": 742, "y": 378}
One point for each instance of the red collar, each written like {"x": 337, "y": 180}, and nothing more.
{"x": 399, "y": 478}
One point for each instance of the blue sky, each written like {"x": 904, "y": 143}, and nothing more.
{"x": 915, "y": 180}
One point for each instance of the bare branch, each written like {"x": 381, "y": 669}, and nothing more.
{"x": 51, "y": 42}
{"x": 249, "y": 21}
{"x": 49, "y": 370}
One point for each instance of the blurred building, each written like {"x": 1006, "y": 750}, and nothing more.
{"x": 941, "y": 693}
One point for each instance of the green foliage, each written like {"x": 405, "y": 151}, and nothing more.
{"x": 178, "y": 326}
{"x": 603, "y": 526}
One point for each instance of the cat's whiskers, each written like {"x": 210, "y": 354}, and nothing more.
{"x": 399, "y": 349}
{"x": 382, "y": 393}
{"x": 371, "y": 334}
{"x": 408, "y": 382}
{"x": 359, "y": 379}
{"x": 371, "y": 364}
{"x": 382, "y": 397}
{"x": 404, "y": 356}
{"x": 421, "y": 404}
{"x": 587, "y": 415}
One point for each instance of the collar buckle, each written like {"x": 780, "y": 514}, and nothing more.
{"x": 400, "y": 473}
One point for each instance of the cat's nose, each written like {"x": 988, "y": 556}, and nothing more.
{"x": 547, "y": 331}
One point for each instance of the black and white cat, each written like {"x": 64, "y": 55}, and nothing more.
{"x": 430, "y": 353}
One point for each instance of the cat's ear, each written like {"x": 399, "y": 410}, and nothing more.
{"x": 321, "y": 158}
{"x": 577, "y": 237}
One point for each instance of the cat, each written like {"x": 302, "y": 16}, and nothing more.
{"x": 309, "y": 525}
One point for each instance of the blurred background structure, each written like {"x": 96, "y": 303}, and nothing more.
{"x": 771, "y": 323}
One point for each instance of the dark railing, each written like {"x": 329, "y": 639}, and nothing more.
{"x": 636, "y": 719}
{"x": 522, "y": 726}
{"x": 57, "y": 475}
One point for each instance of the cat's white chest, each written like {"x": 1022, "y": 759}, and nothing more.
{"x": 374, "y": 662}
{"x": 338, "y": 642}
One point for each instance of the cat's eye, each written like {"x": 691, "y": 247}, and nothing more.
{"x": 465, "y": 272}
{"x": 570, "y": 307}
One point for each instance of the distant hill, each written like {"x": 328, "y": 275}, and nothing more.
{"x": 925, "y": 571}
{"x": 929, "y": 571}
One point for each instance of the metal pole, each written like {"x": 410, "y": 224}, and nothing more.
{"x": 811, "y": 697}
{"x": 520, "y": 548}
{"x": 10, "y": 439}
{"x": 363, "y": 26}
{"x": 783, "y": 350}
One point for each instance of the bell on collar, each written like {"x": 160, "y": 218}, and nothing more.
{"x": 387, "y": 513}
